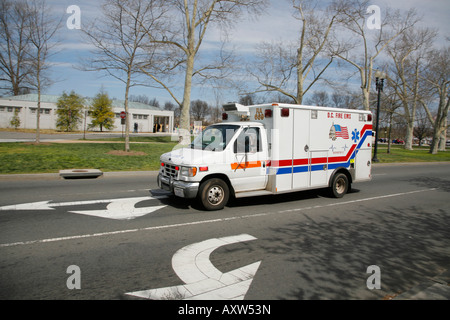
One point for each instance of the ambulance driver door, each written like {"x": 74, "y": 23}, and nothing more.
{"x": 248, "y": 169}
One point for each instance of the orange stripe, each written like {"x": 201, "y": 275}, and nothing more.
{"x": 246, "y": 165}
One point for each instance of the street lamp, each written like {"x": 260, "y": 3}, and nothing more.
{"x": 379, "y": 81}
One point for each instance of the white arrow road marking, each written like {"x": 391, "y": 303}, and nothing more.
{"x": 123, "y": 208}
{"x": 203, "y": 280}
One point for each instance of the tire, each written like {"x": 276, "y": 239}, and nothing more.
{"x": 214, "y": 194}
{"x": 340, "y": 185}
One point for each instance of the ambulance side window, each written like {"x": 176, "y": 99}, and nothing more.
{"x": 252, "y": 135}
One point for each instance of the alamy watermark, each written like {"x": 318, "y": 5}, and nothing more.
{"x": 74, "y": 21}
{"x": 374, "y": 281}
{"x": 74, "y": 280}
{"x": 374, "y": 21}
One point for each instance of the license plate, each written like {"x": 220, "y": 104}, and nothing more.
{"x": 178, "y": 192}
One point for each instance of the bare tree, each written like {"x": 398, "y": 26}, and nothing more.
{"x": 142, "y": 98}
{"x": 390, "y": 114}
{"x": 170, "y": 106}
{"x": 154, "y": 102}
{"x": 15, "y": 66}
{"x": 121, "y": 45}
{"x": 180, "y": 42}
{"x": 319, "y": 98}
{"x": 423, "y": 127}
{"x": 348, "y": 100}
{"x": 247, "y": 100}
{"x": 285, "y": 67}
{"x": 42, "y": 27}
{"x": 436, "y": 76}
{"x": 362, "y": 45}
{"x": 407, "y": 53}
{"x": 199, "y": 110}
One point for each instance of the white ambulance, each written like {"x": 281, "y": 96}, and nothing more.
{"x": 271, "y": 149}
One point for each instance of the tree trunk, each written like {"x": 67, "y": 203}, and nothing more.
{"x": 38, "y": 117}
{"x": 389, "y": 134}
{"x": 443, "y": 138}
{"x": 440, "y": 124}
{"x": 366, "y": 99}
{"x": 435, "y": 143}
{"x": 300, "y": 78}
{"x": 409, "y": 135}
{"x": 38, "y": 112}
{"x": 127, "y": 117}
{"x": 185, "y": 120}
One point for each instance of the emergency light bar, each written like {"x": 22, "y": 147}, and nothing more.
{"x": 235, "y": 107}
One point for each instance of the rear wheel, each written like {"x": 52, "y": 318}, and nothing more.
{"x": 214, "y": 194}
{"x": 340, "y": 185}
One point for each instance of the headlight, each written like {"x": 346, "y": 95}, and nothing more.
{"x": 188, "y": 171}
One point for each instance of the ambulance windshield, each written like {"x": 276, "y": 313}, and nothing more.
{"x": 215, "y": 137}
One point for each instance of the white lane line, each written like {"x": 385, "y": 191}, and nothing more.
{"x": 169, "y": 226}
{"x": 359, "y": 200}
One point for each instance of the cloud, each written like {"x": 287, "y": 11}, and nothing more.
{"x": 277, "y": 24}
{"x": 435, "y": 13}
{"x": 247, "y": 32}
{"x": 76, "y": 46}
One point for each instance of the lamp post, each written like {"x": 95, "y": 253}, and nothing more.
{"x": 379, "y": 82}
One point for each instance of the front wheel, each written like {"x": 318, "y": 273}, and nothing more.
{"x": 214, "y": 194}
{"x": 340, "y": 185}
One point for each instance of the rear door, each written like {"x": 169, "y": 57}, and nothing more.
{"x": 301, "y": 148}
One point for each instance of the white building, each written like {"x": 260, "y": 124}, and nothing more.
{"x": 147, "y": 118}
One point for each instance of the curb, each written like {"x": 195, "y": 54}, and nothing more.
{"x": 57, "y": 176}
{"x": 395, "y": 164}
{"x": 436, "y": 288}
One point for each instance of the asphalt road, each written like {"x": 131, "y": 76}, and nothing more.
{"x": 304, "y": 245}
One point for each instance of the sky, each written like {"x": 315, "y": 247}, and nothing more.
{"x": 275, "y": 24}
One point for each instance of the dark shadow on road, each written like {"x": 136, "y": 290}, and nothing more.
{"x": 181, "y": 203}
{"x": 431, "y": 182}
{"x": 331, "y": 254}
{"x": 279, "y": 198}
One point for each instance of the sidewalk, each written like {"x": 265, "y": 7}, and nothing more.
{"x": 11, "y": 136}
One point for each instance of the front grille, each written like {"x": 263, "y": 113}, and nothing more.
{"x": 169, "y": 171}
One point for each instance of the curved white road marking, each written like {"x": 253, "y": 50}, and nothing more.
{"x": 203, "y": 280}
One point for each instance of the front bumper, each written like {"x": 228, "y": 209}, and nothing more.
{"x": 181, "y": 189}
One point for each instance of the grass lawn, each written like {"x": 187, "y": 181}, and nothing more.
{"x": 51, "y": 157}
{"x": 419, "y": 154}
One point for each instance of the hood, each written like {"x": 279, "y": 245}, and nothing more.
{"x": 188, "y": 156}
